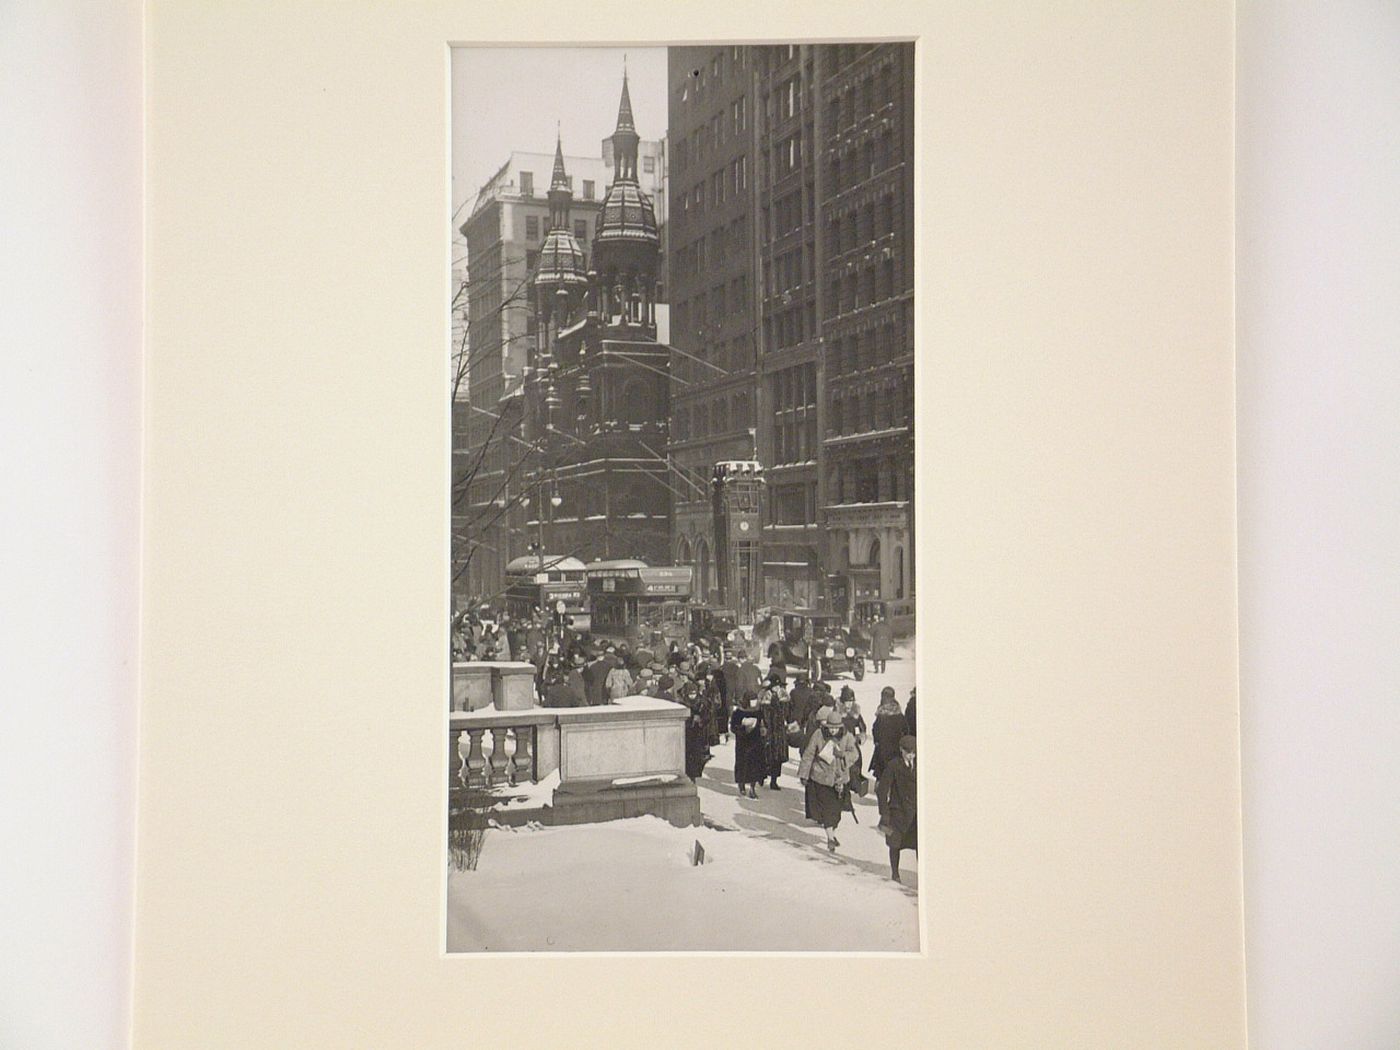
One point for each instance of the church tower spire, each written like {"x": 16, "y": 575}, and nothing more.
{"x": 626, "y": 245}
{"x": 560, "y": 195}
{"x": 625, "y": 137}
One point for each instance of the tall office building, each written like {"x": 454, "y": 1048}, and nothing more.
{"x": 714, "y": 317}
{"x": 791, "y": 276}
{"x": 866, "y": 107}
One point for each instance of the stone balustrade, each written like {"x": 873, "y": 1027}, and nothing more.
{"x": 502, "y": 747}
{"x": 618, "y": 759}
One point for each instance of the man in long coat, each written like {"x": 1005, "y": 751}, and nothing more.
{"x": 595, "y": 678}
{"x": 881, "y": 642}
{"x": 898, "y": 795}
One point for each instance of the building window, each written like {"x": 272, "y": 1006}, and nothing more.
{"x": 588, "y": 189}
{"x": 527, "y": 184}
{"x": 581, "y": 229}
{"x": 787, "y": 99}
{"x": 790, "y": 505}
{"x": 649, "y": 164}
{"x": 532, "y": 227}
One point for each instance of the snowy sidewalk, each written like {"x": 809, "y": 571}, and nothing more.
{"x": 768, "y": 883}
{"x": 778, "y": 815}
{"x": 628, "y": 885}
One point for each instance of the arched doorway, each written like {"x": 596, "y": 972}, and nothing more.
{"x": 872, "y": 557}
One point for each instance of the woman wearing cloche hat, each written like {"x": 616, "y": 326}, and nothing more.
{"x": 825, "y": 771}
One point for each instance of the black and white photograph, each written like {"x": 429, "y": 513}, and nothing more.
{"x": 681, "y": 377}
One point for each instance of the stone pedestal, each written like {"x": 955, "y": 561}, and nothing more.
{"x": 513, "y": 686}
{"x": 471, "y": 686}
{"x": 624, "y": 759}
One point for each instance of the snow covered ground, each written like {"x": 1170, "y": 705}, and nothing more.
{"x": 767, "y": 884}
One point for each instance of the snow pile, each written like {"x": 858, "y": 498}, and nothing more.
{"x": 629, "y": 885}
{"x": 526, "y": 796}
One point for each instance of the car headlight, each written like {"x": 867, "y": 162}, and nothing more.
{"x": 850, "y": 652}
{"x": 829, "y": 652}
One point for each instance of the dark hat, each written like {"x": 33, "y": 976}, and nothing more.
{"x": 888, "y": 691}
{"x": 908, "y": 742}
{"x": 776, "y": 677}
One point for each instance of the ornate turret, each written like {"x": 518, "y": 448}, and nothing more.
{"x": 561, "y": 258}
{"x": 626, "y": 244}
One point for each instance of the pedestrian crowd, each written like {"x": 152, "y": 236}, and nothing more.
{"x": 729, "y": 698}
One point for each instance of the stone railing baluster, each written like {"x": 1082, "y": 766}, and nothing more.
{"x": 499, "y": 762}
{"x": 522, "y": 766}
{"x": 454, "y": 756}
{"x": 476, "y": 760}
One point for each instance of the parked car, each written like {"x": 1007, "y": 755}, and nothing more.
{"x": 819, "y": 644}
{"x": 712, "y": 624}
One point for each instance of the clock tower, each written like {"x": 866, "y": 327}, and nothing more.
{"x": 737, "y": 500}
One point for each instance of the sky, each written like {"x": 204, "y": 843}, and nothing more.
{"x": 506, "y": 99}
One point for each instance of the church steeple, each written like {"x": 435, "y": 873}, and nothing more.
{"x": 626, "y": 244}
{"x": 561, "y": 257}
{"x": 560, "y": 196}
{"x": 625, "y": 138}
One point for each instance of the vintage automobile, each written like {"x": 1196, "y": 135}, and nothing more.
{"x": 712, "y": 624}
{"x": 819, "y": 644}
{"x": 900, "y": 615}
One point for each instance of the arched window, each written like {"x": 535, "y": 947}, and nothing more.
{"x": 872, "y": 557}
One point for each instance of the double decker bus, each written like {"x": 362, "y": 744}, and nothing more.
{"x": 639, "y": 604}
{"x": 536, "y": 581}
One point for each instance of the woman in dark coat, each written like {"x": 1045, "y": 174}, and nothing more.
{"x": 898, "y": 795}
{"x": 856, "y": 730}
{"x": 697, "y": 731}
{"x": 777, "y": 712}
{"x": 714, "y": 703}
{"x": 890, "y": 727}
{"x": 750, "y": 756}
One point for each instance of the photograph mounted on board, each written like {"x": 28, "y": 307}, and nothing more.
{"x": 682, "y": 712}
